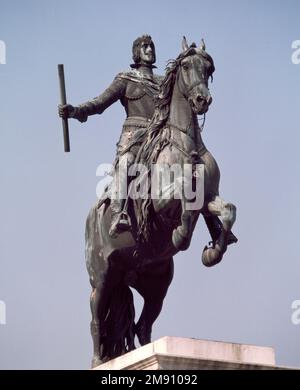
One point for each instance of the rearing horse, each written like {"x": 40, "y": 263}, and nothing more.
{"x": 143, "y": 258}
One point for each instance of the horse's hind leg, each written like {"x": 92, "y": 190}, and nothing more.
{"x": 97, "y": 269}
{"x": 227, "y": 212}
{"x": 98, "y": 301}
{"x": 153, "y": 285}
{"x": 95, "y": 325}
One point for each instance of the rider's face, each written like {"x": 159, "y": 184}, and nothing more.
{"x": 147, "y": 53}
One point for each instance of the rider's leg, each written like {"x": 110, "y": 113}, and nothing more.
{"x": 119, "y": 219}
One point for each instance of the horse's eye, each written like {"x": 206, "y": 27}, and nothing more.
{"x": 185, "y": 67}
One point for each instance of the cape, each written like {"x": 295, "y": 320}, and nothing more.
{"x": 150, "y": 83}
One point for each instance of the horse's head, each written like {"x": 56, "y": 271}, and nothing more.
{"x": 194, "y": 67}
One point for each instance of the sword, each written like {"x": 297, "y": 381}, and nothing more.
{"x": 63, "y": 98}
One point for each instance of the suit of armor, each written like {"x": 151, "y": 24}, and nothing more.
{"x": 136, "y": 91}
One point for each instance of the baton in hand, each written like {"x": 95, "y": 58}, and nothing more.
{"x": 63, "y": 98}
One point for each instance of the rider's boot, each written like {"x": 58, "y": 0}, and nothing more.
{"x": 215, "y": 226}
{"x": 120, "y": 220}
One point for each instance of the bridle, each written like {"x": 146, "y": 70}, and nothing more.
{"x": 187, "y": 92}
{"x": 191, "y": 87}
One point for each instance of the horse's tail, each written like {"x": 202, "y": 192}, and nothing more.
{"x": 119, "y": 329}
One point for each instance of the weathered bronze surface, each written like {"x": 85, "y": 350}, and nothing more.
{"x": 132, "y": 242}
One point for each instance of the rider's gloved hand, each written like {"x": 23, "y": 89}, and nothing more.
{"x": 66, "y": 111}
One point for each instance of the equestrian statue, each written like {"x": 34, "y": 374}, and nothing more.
{"x": 131, "y": 240}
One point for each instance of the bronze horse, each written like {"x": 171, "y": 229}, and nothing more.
{"x": 143, "y": 258}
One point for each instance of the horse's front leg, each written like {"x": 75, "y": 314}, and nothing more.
{"x": 227, "y": 211}
{"x": 191, "y": 204}
{"x": 181, "y": 236}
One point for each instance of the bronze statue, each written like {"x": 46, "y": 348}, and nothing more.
{"x": 132, "y": 242}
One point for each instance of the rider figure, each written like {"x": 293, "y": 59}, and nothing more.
{"x": 136, "y": 90}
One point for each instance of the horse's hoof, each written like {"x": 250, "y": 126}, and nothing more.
{"x": 211, "y": 256}
{"x": 180, "y": 242}
{"x": 96, "y": 361}
{"x": 143, "y": 336}
{"x": 144, "y": 340}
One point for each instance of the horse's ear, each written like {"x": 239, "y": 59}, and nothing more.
{"x": 202, "y": 45}
{"x": 185, "y": 45}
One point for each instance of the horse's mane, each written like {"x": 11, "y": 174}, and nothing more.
{"x": 157, "y": 139}
{"x": 161, "y": 113}
{"x": 146, "y": 153}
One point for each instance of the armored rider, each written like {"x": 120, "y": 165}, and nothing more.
{"x": 136, "y": 91}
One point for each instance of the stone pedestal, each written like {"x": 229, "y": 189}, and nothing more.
{"x": 176, "y": 353}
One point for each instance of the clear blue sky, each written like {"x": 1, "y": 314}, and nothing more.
{"x": 252, "y": 129}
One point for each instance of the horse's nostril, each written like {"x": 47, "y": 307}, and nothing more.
{"x": 199, "y": 98}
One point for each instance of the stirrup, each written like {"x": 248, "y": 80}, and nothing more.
{"x": 120, "y": 223}
{"x": 124, "y": 219}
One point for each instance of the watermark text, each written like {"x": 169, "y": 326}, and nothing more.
{"x": 2, "y": 313}
{"x": 2, "y": 53}
{"x": 162, "y": 182}
{"x": 296, "y": 53}
{"x": 296, "y": 312}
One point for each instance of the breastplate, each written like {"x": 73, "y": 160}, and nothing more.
{"x": 138, "y": 100}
